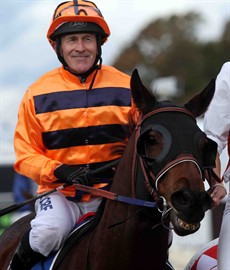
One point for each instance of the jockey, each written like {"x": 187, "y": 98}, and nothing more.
{"x": 219, "y": 112}
{"x": 71, "y": 120}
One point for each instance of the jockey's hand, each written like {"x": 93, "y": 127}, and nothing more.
{"x": 74, "y": 175}
{"x": 217, "y": 193}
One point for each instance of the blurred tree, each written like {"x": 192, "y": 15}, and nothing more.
{"x": 171, "y": 47}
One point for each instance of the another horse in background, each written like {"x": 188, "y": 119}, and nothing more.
{"x": 163, "y": 169}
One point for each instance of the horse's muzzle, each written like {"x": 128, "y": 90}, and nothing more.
{"x": 191, "y": 206}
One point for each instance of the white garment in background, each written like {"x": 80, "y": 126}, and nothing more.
{"x": 217, "y": 117}
{"x": 217, "y": 127}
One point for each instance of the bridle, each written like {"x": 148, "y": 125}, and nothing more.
{"x": 151, "y": 180}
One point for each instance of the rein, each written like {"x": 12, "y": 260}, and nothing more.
{"x": 91, "y": 190}
{"x": 115, "y": 197}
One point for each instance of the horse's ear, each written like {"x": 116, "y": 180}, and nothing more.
{"x": 200, "y": 102}
{"x": 141, "y": 95}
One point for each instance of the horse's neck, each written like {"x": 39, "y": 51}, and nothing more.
{"x": 127, "y": 224}
{"x": 122, "y": 182}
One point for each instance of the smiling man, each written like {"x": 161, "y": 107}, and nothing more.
{"x": 79, "y": 52}
{"x": 74, "y": 118}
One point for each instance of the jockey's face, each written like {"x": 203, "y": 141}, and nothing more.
{"x": 79, "y": 51}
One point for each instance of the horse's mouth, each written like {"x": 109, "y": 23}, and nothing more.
{"x": 188, "y": 226}
{"x": 183, "y": 228}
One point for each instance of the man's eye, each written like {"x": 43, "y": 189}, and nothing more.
{"x": 88, "y": 38}
{"x": 71, "y": 40}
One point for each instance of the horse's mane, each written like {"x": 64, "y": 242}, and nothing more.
{"x": 128, "y": 132}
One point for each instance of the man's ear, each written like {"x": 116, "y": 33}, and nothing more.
{"x": 54, "y": 45}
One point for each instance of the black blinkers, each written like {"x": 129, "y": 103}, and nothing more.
{"x": 166, "y": 135}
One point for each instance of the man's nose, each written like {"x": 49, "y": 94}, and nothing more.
{"x": 80, "y": 45}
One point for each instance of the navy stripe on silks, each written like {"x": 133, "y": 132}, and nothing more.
{"x": 84, "y": 136}
{"x": 65, "y": 100}
{"x": 135, "y": 201}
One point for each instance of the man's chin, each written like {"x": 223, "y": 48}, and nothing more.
{"x": 77, "y": 70}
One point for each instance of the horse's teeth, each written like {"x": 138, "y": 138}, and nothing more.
{"x": 187, "y": 226}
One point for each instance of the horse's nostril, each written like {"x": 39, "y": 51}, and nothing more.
{"x": 190, "y": 206}
{"x": 185, "y": 200}
{"x": 182, "y": 198}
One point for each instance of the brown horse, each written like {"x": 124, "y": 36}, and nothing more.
{"x": 165, "y": 161}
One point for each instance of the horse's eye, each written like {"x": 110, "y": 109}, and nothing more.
{"x": 151, "y": 140}
{"x": 154, "y": 144}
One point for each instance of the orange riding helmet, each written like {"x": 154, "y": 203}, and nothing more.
{"x": 77, "y": 16}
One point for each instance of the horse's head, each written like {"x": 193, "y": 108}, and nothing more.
{"x": 174, "y": 154}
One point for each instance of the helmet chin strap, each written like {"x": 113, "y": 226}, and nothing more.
{"x": 95, "y": 66}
